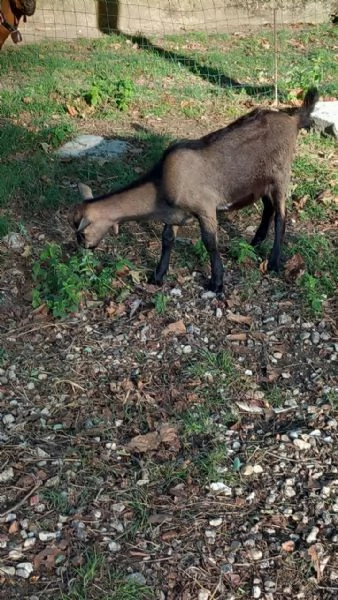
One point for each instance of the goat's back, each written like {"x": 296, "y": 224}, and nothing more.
{"x": 237, "y": 161}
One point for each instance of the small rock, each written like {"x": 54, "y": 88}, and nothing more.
{"x": 220, "y": 488}
{"x": 137, "y": 578}
{"x": 255, "y": 554}
{"x": 47, "y": 536}
{"x": 289, "y": 491}
{"x": 6, "y": 475}
{"x": 312, "y": 535}
{"x": 216, "y": 522}
{"x": 208, "y": 295}
{"x": 8, "y": 419}
{"x": 219, "y": 313}
{"x": 114, "y": 546}
{"x": 5, "y": 570}
{"x": 176, "y": 292}
{"x": 283, "y": 319}
{"x": 315, "y": 337}
{"x": 302, "y": 444}
{"x": 24, "y": 569}
{"x": 248, "y": 372}
{"x": 203, "y": 594}
{"x": 14, "y": 555}
{"x": 29, "y": 542}
{"x": 15, "y": 241}
{"x": 256, "y": 591}
{"x": 186, "y": 349}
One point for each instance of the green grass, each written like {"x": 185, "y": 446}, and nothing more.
{"x": 97, "y": 580}
{"x": 320, "y": 279}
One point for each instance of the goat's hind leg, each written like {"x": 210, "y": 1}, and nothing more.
{"x": 209, "y": 237}
{"x": 168, "y": 239}
{"x": 263, "y": 228}
{"x": 280, "y": 217}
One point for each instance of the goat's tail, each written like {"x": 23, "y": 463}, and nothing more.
{"x": 310, "y": 99}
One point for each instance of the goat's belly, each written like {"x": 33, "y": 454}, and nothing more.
{"x": 178, "y": 217}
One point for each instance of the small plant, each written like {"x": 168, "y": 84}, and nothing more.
{"x": 200, "y": 251}
{"x": 311, "y": 291}
{"x": 63, "y": 284}
{"x": 161, "y": 301}
{"x": 242, "y": 251}
{"x": 3, "y": 356}
{"x": 5, "y": 225}
{"x": 124, "y": 93}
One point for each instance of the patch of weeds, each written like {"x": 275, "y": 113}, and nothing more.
{"x": 6, "y": 225}
{"x": 3, "y": 356}
{"x": 211, "y": 462}
{"x": 139, "y": 505}
{"x": 242, "y": 251}
{"x": 58, "y": 134}
{"x": 215, "y": 364}
{"x": 63, "y": 284}
{"x": 96, "y": 579}
{"x": 321, "y": 276}
{"x": 200, "y": 251}
{"x": 168, "y": 474}
{"x": 161, "y": 302}
{"x": 124, "y": 93}
{"x": 275, "y": 396}
{"x": 56, "y": 500}
{"x": 103, "y": 91}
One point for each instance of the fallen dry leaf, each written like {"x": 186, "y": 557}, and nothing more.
{"x": 294, "y": 266}
{"x": 177, "y": 328}
{"x": 263, "y": 267}
{"x": 145, "y": 443}
{"x": 237, "y": 337}
{"x": 235, "y": 318}
{"x": 48, "y": 555}
{"x": 319, "y": 561}
{"x": 169, "y": 535}
{"x": 71, "y": 110}
{"x": 115, "y": 310}
{"x": 168, "y": 433}
{"x": 250, "y": 407}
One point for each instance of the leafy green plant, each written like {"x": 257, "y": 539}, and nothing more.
{"x": 200, "y": 251}
{"x": 63, "y": 284}
{"x": 161, "y": 301}
{"x": 124, "y": 93}
{"x": 242, "y": 251}
{"x": 5, "y": 225}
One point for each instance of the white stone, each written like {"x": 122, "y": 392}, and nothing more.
{"x": 216, "y": 522}
{"x": 114, "y": 546}
{"x": 312, "y": 535}
{"x": 94, "y": 146}
{"x": 24, "y": 569}
{"x": 8, "y": 419}
{"x": 301, "y": 444}
{"x": 4, "y": 570}
{"x": 325, "y": 116}
{"x": 221, "y": 488}
{"x": 256, "y": 591}
{"x": 47, "y": 536}
{"x": 203, "y": 595}
{"x": 6, "y": 475}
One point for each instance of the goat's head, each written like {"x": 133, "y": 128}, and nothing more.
{"x": 89, "y": 220}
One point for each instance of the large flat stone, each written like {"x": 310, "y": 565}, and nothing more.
{"x": 93, "y": 146}
{"x": 325, "y": 117}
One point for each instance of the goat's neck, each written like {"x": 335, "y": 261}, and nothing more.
{"x": 135, "y": 204}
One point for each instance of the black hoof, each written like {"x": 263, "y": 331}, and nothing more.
{"x": 212, "y": 286}
{"x": 153, "y": 279}
{"x": 273, "y": 266}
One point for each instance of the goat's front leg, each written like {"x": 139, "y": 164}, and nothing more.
{"x": 168, "y": 239}
{"x": 209, "y": 237}
{"x": 280, "y": 216}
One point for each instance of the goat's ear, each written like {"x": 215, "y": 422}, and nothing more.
{"x": 85, "y": 191}
{"x": 83, "y": 224}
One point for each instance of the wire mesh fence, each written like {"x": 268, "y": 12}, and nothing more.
{"x": 187, "y": 33}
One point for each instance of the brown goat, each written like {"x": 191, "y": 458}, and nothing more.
{"x": 222, "y": 171}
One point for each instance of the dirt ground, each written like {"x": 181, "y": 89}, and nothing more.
{"x": 187, "y": 452}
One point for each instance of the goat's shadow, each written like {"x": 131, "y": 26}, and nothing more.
{"x": 108, "y": 19}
